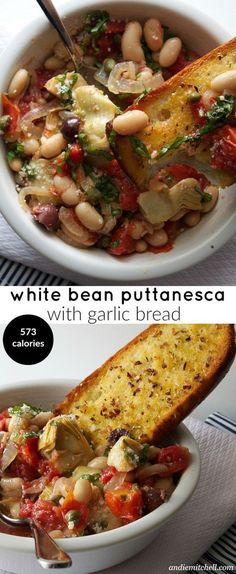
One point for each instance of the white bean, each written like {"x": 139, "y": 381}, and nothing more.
{"x": 170, "y": 52}
{"x": 192, "y": 218}
{"x": 53, "y": 63}
{"x": 158, "y": 238}
{"x": 10, "y": 485}
{"x": 60, "y": 51}
{"x": 15, "y": 509}
{"x": 31, "y": 146}
{"x": 153, "y": 34}
{"x": 19, "y": 83}
{"x": 179, "y": 215}
{"x": 141, "y": 246}
{"x": 15, "y": 164}
{"x": 62, "y": 486}
{"x": 130, "y": 122}
{"x": 139, "y": 228}
{"x": 89, "y": 216}
{"x": 225, "y": 81}
{"x": 99, "y": 462}
{"x": 208, "y": 98}
{"x": 42, "y": 418}
{"x": 66, "y": 187}
{"x": 56, "y": 534}
{"x": 53, "y": 146}
{"x": 131, "y": 42}
{"x": 82, "y": 490}
{"x": 209, "y": 205}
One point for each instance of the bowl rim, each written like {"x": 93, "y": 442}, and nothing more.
{"x": 90, "y": 262}
{"x": 148, "y": 523}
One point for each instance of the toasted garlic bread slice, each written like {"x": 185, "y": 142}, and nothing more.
{"x": 170, "y": 114}
{"x": 152, "y": 383}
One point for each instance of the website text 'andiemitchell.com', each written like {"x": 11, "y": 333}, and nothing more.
{"x": 200, "y": 568}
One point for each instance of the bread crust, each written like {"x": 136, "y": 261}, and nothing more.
{"x": 189, "y": 400}
{"x": 174, "y": 93}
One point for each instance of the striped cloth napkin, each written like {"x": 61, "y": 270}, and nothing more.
{"x": 205, "y": 514}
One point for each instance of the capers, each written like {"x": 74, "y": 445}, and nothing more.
{"x": 108, "y": 65}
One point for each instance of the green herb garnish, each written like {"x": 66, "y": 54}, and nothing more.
{"x": 112, "y": 138}
{"x": 65, "y": 85}
{"x": 95, "y": 24}
{"x": 93, "y": 478}
{"x": 167, "y": 33}
{"x": 30, "y": 434}
{"x": 30, "y": 171}
{"x": 143, "y": 455}
{"x": 155, "y": 66}
{"x": 107, "y": 188}
{"x": 139, "y": 147}
{"x": 216, "y": 117}
{"x": 15, "y": 150}
{"x": 116, "y": 211}
{"x": 23, "y": 410}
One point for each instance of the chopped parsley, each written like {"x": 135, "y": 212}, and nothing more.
{"x": 139, "y": 147}
{"x": 216, "y": 117}
{"x": 107, "y": 188}
{"x": 15, "y": 150}
{"x": 95, "y": 24}
{"x": 93, "y": 478}
{"x": 64, "y": 86}
{"x": 116, "y": 211}
{"x": 112, "y": 137}
{"x": 23, "y": 410}
{"x": 167, "y": 33}
{"x": 30, "y": 434}
{"x": 155, "y": 66}
{"x": 30, "y": 171}
{"x": 143, "y": 455}
{"x": 142, "y": 95}
{"x": 205, "y": 197}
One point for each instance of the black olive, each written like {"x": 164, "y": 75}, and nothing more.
{"x": 115, "y": 435}
{"x": 151, "y": 499}
{"x": 70, "y": 128}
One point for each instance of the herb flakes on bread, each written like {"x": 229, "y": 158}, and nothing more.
{"x": 153, "y": 382}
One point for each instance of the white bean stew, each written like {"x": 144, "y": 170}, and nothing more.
{"x": 50, "y": 472}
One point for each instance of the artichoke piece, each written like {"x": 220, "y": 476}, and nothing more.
{"x": 159, "y": 205}
{"x": 96, "y": 110}
{"x": 63, "y": 443}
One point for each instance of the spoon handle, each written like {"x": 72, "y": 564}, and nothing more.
{"x": 48, "y": 553}
{"x": 53, "y": 16}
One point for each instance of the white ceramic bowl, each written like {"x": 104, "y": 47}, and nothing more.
{"x": 32, "y": 44}
{"x": 93, "y": 553}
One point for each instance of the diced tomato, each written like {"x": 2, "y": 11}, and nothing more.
{"x": 175, "y": 457}
{"x": 128, "y": 190}
{"x": 47, "y": 515}
{"x": 26, "y": 508}
{"x": 46, "y": 468}
{"x": 106, "y": 46}
{"x": 182, "y": 171}
{"x": 125, "y": 502}
{"x": 28, "y": 451}
{"x": 81, "y": 508}
{"x": 184, "y": 59}
{"x": 43, "y": 76}
{"x": 121, "y": 242}
{"x": 108, "y": 473}
{"x": 76, "y": 153}
{"x": 115, "y": 27}
{"x": 23, "y": 469}
{"x": 13, "y": 111}
{"x": 4, "y": 417}
{"x": 164, "y": 249}
{"x": 223, "y": 151}
{"x": 61, "y": 167}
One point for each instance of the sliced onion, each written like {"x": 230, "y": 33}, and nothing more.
{"x": 116, "y": 481}
{"x": 36, "y": 486}
{"x": 101, "y": 76}
{"x": 9, "y": 454}
{"x": 118, "y": 84}
{"x": 150, "y": 470}
{"x": 39, "y": 112}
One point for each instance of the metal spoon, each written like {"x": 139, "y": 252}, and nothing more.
{"x": 48, "y": 553}
{"x": 53, "y": 16}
